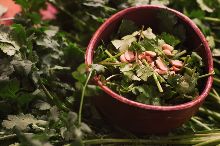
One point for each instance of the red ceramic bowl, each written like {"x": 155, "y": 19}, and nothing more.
{"x": 138, "y": 117}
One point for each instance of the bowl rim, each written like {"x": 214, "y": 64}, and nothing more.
{"x": 198, "y": 100}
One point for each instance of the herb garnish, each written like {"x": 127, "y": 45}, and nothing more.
{"x": 150, "y": 68}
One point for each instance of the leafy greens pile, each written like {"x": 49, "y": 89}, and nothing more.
{"x": 145, "y": 67}
{"x": 42, "y": 77}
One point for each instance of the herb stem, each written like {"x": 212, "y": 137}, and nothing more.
{"x": 216, "y": 80}
{"x": 158, "y": 83}
{"x": 115, "y": 56}
{"x": 110, "y": 55}
{"x": 209, "y": 142}
{"x": 180, "y": 54}
{"x": 82, "y": 97}
{"x": 216, "y": 93}
{"x": 142, "y": 29}
{"x": 154, "y": 76}
{"x": 53, "y": 98}
{"x": 143, "y": 141}
{"x": 184, "y": 63}
{"x": 215, "y": 97}
{"x": 200, "y": 123}
{"x": 112, "y": 76}
{"x": 211, "y": 19}
{"x": 135, "y": 141}
{"x": 216, "y": 60}
{"x": 208, "y": 112}
{"x": 205, "y": 75}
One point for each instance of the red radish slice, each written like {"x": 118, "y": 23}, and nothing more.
{"x": 150, "y": 53}
{"x": 174, "y": 68}
{"x": 167, "y": 47}
{"x": 172, "y": 72}
{"x": 177, "y": 63}
{"x": 167, "y": 52}
{"x": 161, "y": 72}
{"x": 122, "y": 58}
{"x": 139, "y": 62}
{"x": 149, "y": 59}
{"x": 152, "y": 64}
{"x": 129, "y": 56}
{"x": 161, "y": 65}
{"x": 141, "y": 56}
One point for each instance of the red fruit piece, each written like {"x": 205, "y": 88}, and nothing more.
{"x": 149, "y": 59}
{"x": 141, "y": 56}
{"x": 167, "y": 52}
{"x": 167, "y": 47}
{"x": 176, "y": 63}
{"x": 129, "y": 56}
{"x": 161, "y": 72}
{"x": 161, "y": 65}
{"x": 150, "y": 53}
{"x": 122, "y": 58}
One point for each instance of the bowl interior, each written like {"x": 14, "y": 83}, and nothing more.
{"x": 158, "y": 18}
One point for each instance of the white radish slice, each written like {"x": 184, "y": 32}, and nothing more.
{"x": 167, "y": 47}
{"x": 129, "y": 56}
{"x": 161, "y": 65}
{"x": 177, "y": 63}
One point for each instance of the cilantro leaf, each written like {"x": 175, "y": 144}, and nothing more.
{"x": 8, "y": 89}
{"x": 6, "y": 69}
{"x": 144, "y": 72}
{"x": 127, "y": 27}
{"x": 21, "y": 121}
{"x": 169, "y": 39}
{"x": 149, "y": 44}
{"x": 7, "y": 44}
